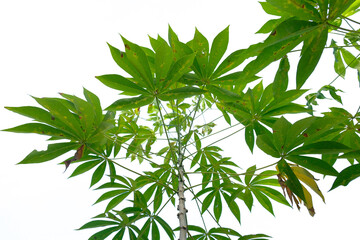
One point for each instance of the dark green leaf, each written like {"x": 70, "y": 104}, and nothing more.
{"x": 130, "y": 103}
{"x": 53, "y": 150}
{"x": 266, "y": 143}
{"x": 217, "y": 206}
{"x": 98, "y": 173}
{"x": 263, "y": 200}
{"x": 281, "y": 80}
{"x": 180, "y": 93}
{"x": 346, "y": 176}
{"x": 249, "y": 137}
{"x": 120, "y": 83}
{"x": 103, "y": 234}
{"x": 313, "y": 164}
{"x": 223, "y": 94}
{"x": 292, "y": 182}
{"x": 311, "y": 54}
{"x": 323, "y": 147}
{"x": 62, "y": 113}
{"x": 85, "y": 167}
{"x": 165, "y": 226}
{"x": 98, "y": 223}
{"x": 177, "y": 70}
{"x": 40, "y": 129}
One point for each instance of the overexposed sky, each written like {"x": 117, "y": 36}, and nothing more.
{"x": 48, "y": 47}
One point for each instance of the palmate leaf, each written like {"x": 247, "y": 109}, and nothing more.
{"x": 41, "y": 115}
{"x": 53, "y": 150}
{"x": 137, "y": 58}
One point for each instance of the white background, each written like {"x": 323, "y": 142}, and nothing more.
{"x": 48, "y": 47}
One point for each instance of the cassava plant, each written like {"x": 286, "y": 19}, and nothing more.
{"x": 156, "y": 152}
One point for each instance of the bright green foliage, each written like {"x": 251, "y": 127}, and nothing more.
{"x": 172, "y": 86}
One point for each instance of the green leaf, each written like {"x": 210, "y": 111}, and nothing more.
{"x": 281, "y": 80}
{"x": 218, "y": 49}
{"x": 249, "y": 137}
{"x": 41, "y": 115}
{"x": 280, "y": 132}
{"x": 116, "y": 201}
{"x": 130, "y": 103}
{"x": 273, "y": 194}
{"x": 249, "y": 174}
{"x": 266, "y": 143}
{"x": 138, "y": 59}
{"x": 98, "y": 223}
{"x": 313, "y": 164}
{"x": 180, "y": 93}
{"x": 346, "y": 176}
{"x": 85, "y": 167}
{"x": 122, "y": 60}
{"x": 103, "y": 234}
{"x": 53, "y": 150}
{"x": 350, "y": 59}
{"x": 263, "y": 200}
{"x": 234, "y": 208}
{"x": 338, "y": 63}
{"x": 158, "y": 198}
{"x": 292, "y": 182}
{"x": 163, "y": 61}
{"x": 177, "y": 70}
{"x": 217, "y": 206}
{"x": 223, "y": 94}
{"x": 200, "y": 46}
{"x": 120, "y": 83}
{"x": 311, "y": 54}
{"x": 231, "y": 62}
{"x": 165, "y": 226}
{"x": 270, "y": 25}
{"x": 337, "y": 7}
{"x": 98, "y": 174}
{"x": 323, "y": 147}
{"x": 39, "y": 129}
{"x": 59, "y": 111}
{"x": 301, "y": 9}
{"x": 248, "y": 199}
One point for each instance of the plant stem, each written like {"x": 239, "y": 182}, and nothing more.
{"x": 181, "y": 206}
